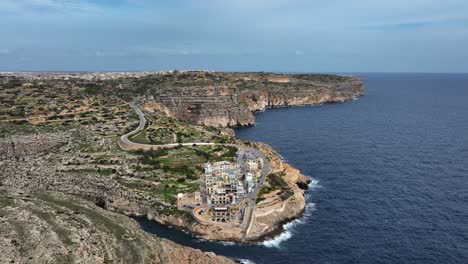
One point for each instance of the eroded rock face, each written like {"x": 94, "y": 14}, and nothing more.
{"x": 228, "y": 99}
{"x": 47, "y": 162}
{"x": 270, "y": 217}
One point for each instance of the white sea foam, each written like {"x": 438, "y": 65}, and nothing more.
{"x": 314, "y": 184}
{"x": 289, "y": 228}
{"x": 227, "y": 243}
{"x": 275, "y": 242}
{"x": 246, "y": 261}
{"x": 309, "y": 208}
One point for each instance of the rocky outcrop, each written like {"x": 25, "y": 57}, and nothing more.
{"x": 270, "y": 216}
{"x": 92, "y": 166}
{"x": 270, "y": 219}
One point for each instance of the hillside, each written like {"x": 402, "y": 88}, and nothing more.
{"x": 59, "y": 134}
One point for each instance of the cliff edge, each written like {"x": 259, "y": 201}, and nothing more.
{"x": 59, "y": 133}
{"x": 229, "y": 99}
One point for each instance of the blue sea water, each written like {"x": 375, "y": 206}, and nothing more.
{"x": 390, "y": 176}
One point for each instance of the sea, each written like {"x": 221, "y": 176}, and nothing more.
{"x": 390, "y": 176}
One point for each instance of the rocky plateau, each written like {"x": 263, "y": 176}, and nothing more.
{"x": 67, "y": 188}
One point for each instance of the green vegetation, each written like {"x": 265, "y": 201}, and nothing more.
{"x": 185, "y": 161}
{"x": 181, "y": 167}
{"x": 175, "y": 212}
{"x": 172, "y": 188}
{"x": 99, "y": 171}
{"x": 263, "y": 190}
{"x": 140, "y": 138}
{"x": 37, "y": 106}
{"x": 274, "y": 182}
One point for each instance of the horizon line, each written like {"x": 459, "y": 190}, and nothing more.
{"x": 221, "y": 71}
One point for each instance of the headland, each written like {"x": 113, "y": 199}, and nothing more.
{"x": 157, "y": 145}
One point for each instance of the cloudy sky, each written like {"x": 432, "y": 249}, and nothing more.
{"x": 235, "y": 35}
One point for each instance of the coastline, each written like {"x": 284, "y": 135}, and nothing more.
{"x": 219, "y": 233}
{"x": 276, "y": 228}
{"x": 89, "y": 164}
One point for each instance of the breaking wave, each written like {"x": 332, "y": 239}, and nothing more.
{"x": 275, "y": 242}
{"x": 227, "y": 243}
{"x": 314, "y": 184}
{"x": 289, "y": 228}
{"x": 246, "y": 261}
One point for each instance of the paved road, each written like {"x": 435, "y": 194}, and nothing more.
{"x": 127, "y": 142}
{"x": 250, "y": 197}
{"x": 140, "y": 127}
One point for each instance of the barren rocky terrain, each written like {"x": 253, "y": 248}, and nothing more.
{"x": 56, "y": 228}
{"x": 65, "y": 182}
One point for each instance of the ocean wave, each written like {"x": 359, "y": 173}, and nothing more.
{"x": 310, "y": 207}
{"x": 276, "y": 241}
{"x": 314, "y": 184}
{"x": 246, "y": 261}
{"x": 289, "y": 228}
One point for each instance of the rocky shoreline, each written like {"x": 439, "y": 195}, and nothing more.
{"x": 264, "y": 227}
{"x": 213, "y": 233}
{"x": 70, "y": 149}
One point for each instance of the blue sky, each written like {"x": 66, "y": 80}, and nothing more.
{"x": 235, "y": 35}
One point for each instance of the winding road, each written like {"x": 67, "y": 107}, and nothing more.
{"x": 126, "y": 144}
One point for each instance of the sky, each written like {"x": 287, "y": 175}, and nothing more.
{"x": 234, "y": 35}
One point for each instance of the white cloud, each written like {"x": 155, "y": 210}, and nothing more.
{"x": 56, "y": 5}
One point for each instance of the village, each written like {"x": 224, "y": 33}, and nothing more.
{"x": 226, "y": 189}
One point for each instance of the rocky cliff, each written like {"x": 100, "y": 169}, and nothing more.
{"x": 228, "y": 99}
{"x": 74, "y": 152}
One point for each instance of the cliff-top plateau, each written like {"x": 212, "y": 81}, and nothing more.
{"x": 80, "y": 152}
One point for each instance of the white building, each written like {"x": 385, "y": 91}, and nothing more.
{"x": 208, "y": 168}
{"x": 249, "y": 181}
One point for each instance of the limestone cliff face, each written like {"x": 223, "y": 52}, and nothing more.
{"x": 215, "y": 99}
{"x": 269, "y": 219}
{"x": 228, "y": 99}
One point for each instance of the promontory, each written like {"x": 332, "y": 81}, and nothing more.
{"x": 81, "y": 152}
